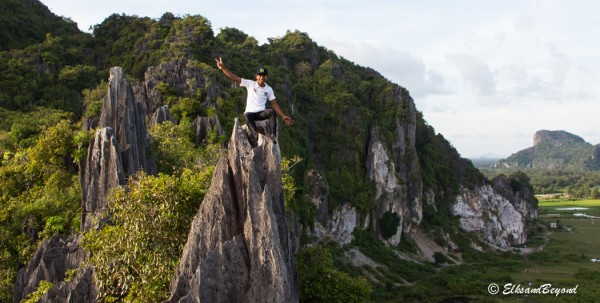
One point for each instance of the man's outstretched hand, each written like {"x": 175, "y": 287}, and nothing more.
{"x": 288, "y": 120}
{"x": 219, "y": 63}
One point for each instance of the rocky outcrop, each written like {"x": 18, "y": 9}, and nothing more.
{"x": 204, "y": 126}
{"x": 120, "y": 148}
{"x": 519, "y": 192}
{"x": 343, "y": 222}
{"x": 390, "y": 194}
{"x": 161, "y": 115}
{"x": 317, "y": 195}
{"x": 490, "y": 215}
{"x": 393, "y": 168}
{"x": 50, "y": 263}
{"x": 395, "y": 173}
{"x": 80, "y": 289}
{"x": 555, "y": 138}
{"x": 187, "y": 78}
{"x": 126, "y": 115}
{"x": 239, "y": 248}
{"x": 101, "y": 172}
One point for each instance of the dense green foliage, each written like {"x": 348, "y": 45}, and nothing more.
{"x": 39, "y": 193}
{"x": 23, "y": 23}
{"x": 576, "y": 184}
{"x": 389, "y": 224}
{"x": 321, "y": 282}
{"x": 442, "y": 167}
{"x": 136, "y": 256}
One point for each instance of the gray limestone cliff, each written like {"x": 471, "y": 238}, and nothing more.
{"x": 518, "y": 191}
{"x": 51, "y": 262}
{"x": 187, "y": 78}
{"x": 239, "y": 248}
{"x": 204, "y": 126}
{"x": 398, "y": 185}
{"x": 101, "y": 172}
{"x": 393, "y": 168}
{"x": 497, "y": 212}
{"x": 489, "y": 215}
{"x": 126, "y": 115}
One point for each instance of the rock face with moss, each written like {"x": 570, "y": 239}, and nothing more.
{"x": 519, "y": 192}
{"x": 183, "y": 77}
{"x": 398, "y": 185}
{"x": 52, "y": 262}
{"x": 239, "y": 248}
{"x": 490, "y": 215}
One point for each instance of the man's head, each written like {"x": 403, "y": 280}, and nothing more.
{"x": 262, "y": 74}
{"x": 262, "y": 71}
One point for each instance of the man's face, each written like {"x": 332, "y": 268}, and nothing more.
{"x": 261, "y": 78}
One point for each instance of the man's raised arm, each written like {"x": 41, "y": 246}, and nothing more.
{"x": 227, "y": 72}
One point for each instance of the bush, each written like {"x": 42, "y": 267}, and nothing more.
{"x": 320, "y": 282}
{"x": 388, "y": 224}
{"x": 136, "y": 257}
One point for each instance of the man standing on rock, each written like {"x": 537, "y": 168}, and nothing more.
{"x": 259, "y": 92}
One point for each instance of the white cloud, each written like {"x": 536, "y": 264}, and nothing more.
{"x": 475, "y": 72}
{"x": 401, "y": 67}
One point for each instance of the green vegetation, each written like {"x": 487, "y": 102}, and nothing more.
{"x": 39, "y": 292}
{"x": 27, "y": 22}
{"x": 573, "y": 203}
{"x": 136, "y": 256}
{"x": 321, "y": 282}
{"x": 39, "y": 193}
{"x": 51, "y": 81}
{"x": 566, "y": 258}
{"x": 575, "y": 184}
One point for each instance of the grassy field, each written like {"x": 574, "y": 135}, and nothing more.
{"x": 573, "y": 203}
{"x": 559, "y": 256}
{"x": 565, "y": 260}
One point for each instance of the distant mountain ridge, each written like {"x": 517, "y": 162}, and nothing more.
{"x": 555, "y": 150}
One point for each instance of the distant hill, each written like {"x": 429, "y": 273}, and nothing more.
{"x": 26, "y": 22}
{"x": 484, "y": 161}
{"x": 555, "y": 150}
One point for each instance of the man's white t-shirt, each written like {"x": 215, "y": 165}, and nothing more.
{"x": 257, "y": 96}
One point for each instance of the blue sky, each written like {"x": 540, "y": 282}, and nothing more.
{"x": 486, "y": 74}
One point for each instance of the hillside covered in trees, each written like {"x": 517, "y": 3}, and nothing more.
{"x": 361, "y": 158}
{"x": 558, "y": 162}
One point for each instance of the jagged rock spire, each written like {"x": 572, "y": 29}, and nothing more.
{"x": 127, "y": 117}
{"x": 239, "y": 248}
{"x": 103, "y": 171}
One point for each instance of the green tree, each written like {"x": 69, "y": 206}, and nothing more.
{"x": 320, "y": 282}
{"x": 136, "y": 255}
